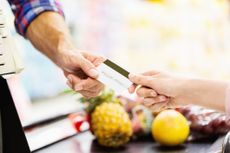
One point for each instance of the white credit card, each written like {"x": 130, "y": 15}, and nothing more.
{"x": 113, "y": 76}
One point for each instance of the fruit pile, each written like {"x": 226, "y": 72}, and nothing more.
{"x": 116, "y": 120}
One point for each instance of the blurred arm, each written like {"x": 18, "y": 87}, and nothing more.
{"x": 208, "y": 93}
{"x": 50, "y": 35}
{"x": 42, "y": 22}
{"x": 181, "y": 90}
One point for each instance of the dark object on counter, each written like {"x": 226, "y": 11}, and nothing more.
{"x": 12, "y": 135}
{"x": 226, "y": 144}
{"x": 85, "y": 143}
{"x": 206, "y": 121}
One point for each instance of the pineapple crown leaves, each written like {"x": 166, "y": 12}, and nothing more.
{"x": 68, "y": 91}
{"x": 107, "y": 96}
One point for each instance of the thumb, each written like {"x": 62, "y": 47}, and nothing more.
{"x": 88, "y": 68}
{"x": 151, "y": 73}
{"x": 139, "y": 79}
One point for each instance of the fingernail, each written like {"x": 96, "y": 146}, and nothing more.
{"x": 77, "y": 88}
{"x": 130, "y": 91}
{"x": 69, "y": 84}
{"x": 69, "y": 79}
{"x": 131, "y": 75}
{"x": 93, "y": 73}
{"x": 153, "y": 94}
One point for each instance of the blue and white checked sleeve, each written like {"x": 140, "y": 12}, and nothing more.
{"x": 26, "y": 11}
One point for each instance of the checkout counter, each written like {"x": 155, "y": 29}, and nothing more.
{"x": 58, "y": 135}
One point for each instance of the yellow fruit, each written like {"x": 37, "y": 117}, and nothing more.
{"x": 170, "y": 128}
{"x": 111, "y": 125}
{"x": 157, "y": 1}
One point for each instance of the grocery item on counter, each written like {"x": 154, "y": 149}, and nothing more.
{"x": 205, "y": 122}
{"x": 109, "y": 121}
{"x": 115, "y": 120}
{"x": 170, "y": 128}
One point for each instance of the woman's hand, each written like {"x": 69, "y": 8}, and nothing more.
{"x": 168, "y": 88}
{"x": 180, "y": 90}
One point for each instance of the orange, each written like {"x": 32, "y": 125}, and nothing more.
{"x": 170, "y": 128}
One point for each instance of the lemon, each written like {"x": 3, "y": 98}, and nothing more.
{"x": 170, "y": 128}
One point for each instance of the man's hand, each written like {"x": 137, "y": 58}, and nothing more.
{"x": 79, "y": 68}
{"x": 50, "y": 34}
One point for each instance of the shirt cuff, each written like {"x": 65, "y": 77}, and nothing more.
{"x": 31, "y": 10}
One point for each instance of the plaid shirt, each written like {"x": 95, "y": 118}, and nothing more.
{"x": 26, "y": 11}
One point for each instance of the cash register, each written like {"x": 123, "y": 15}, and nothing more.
{"x": 12, "y": 137}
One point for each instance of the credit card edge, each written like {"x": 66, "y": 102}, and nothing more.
{"x": 117, "y": 68}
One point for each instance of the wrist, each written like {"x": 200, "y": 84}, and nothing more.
{"x": 182, "y": 89}
{"x": 64, "y": 48}
{"x": 64, "y": 44}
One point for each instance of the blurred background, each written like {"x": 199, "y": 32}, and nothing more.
{"x": 190, "y": 37}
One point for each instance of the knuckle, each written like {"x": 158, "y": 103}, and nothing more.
{"x": 134, "y": 78}
{"x": 84, "y": 86}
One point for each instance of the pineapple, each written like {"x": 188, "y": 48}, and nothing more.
{"x": 109, "y": 121}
